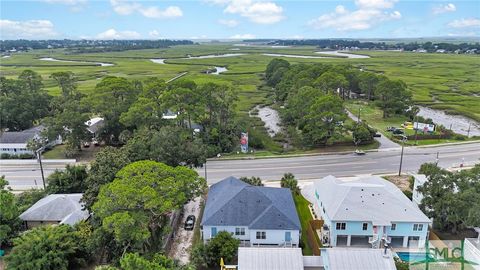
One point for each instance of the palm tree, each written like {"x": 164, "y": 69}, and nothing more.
{"x": 288, "y": 181}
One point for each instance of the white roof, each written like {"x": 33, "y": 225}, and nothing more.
{"x": 366, "y": 199}
{"x": 357, "y": 258}
{"x": 253, "y": 258}
{"x": 63, "y": 208}
{"x": 13, "y": 145}
{"x": 93, "y": 121}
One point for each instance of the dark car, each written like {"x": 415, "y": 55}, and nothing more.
{"x": 398, "y": 131}
{"x": 377, "y": 135}
{"x": 190, "y": 223}
{"x": 391, "y": 128}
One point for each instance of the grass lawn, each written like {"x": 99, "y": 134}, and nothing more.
{"x": 57, "y": 152}
{"x": 304, "y": 214}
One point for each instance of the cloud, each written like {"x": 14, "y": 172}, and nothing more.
{"x": 154, "y": 34}
{"x": 261, "y": 12}
{"x": 31, "y": 29}
{"x": 243, "y": 36}
{"x": 229, "y": 23}
{"x": 114, "y": 34}
{"x": 444, "y": 8}
{"x": 125, "y": 7}
{"x": 368, "y": 14}
{"x": 465, "y": 23}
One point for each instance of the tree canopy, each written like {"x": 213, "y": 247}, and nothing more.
{"x": 48, "y": 248}
{"x": 452, "y": 199}
{"x": 134, "y": 207}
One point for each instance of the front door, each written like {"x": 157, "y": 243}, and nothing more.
{"x": 288, "y": 236}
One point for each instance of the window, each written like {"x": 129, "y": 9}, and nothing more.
{"x": 214, "y": 231}
{"x": 394, "y": 227}
{"x": 365, "y": 226}
{"x": 239, "y": 231}
{"x": 341, "y": 226}
{"x": 418, "y": 227}
{"x": 261, "y": 235}
{"x": 316, "y": 195}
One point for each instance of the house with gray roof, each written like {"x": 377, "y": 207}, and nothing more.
{"x": 15, "y": 143}
{"x": 55, "y": 209}
{"x": 256, "y": 215}
{"x": 368, "y": 212}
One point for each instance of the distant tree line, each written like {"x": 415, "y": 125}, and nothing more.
{"x": 313, "y": 96}
{"x": 80, "y": 46}
{"x": 368, "y": 45}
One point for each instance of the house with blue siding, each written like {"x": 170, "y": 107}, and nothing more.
{"x": 258, "y": 216}
{"x": 368, "y": 212}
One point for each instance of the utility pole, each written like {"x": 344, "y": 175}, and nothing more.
{"x": 205, "y": 170}
{"x": 468, "y": 132}
{"x": 436, "y": 160}
{"x": 416, "y": 128}
{"x": 401, "y": 158}
{"x": 358, "y": 118}
{"x": 39, "y": 156}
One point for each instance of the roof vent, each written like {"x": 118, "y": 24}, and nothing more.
{"x": 373, "y": 194}
{"x": 362, "y": 189}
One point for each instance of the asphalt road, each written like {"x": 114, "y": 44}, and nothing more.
{"x": 385, "y": 161}
{"x": 311, "y": 167}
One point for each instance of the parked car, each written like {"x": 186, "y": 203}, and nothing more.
{"x": 391, "y": 128}
{"x": 86, "y": 144}
{"x": 377, "y": 135}
{"x": 95, "y": 142}
{"x": 190, "y": 223}
{"x": 398, "y": 131}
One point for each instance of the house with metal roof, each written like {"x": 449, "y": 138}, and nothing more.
{"x": 258, "y": 216}
{"x": 55, "y": 209}
{"x": 253, "y": 258}
{"x": 368, "y": 212}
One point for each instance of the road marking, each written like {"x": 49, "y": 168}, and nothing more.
{"x": 289, "y": 167}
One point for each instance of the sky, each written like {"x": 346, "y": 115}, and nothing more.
{"x": 237, "y": 19}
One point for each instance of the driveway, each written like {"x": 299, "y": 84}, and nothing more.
{"x": 182, "y": 245}
{"x": 384, "y": 141}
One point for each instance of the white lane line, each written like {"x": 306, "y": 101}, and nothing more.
{"x": 288, "y": 167}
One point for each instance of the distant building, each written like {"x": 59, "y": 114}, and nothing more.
{"x": 55, "y": 209}
{"x": 15, "y": 142}
{"x": 258, "y": 216}
{"x": 368, "y": 212}
{"x": 94, "y": 125}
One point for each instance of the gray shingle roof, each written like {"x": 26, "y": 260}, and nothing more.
{"x": 232, "y": 202}
{"x": 21, "y": 136}
{"x": 366, "y": 199}
{"x": 64, "y": 208}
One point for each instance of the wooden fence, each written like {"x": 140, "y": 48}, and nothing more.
{"x": 312, "y": 236}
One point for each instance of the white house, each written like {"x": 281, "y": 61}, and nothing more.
{"x": 258, "y": 216}
{"x": 15, "y": 143}
{"x": 368, "y": 212}
{"x": 94, "y": 125}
